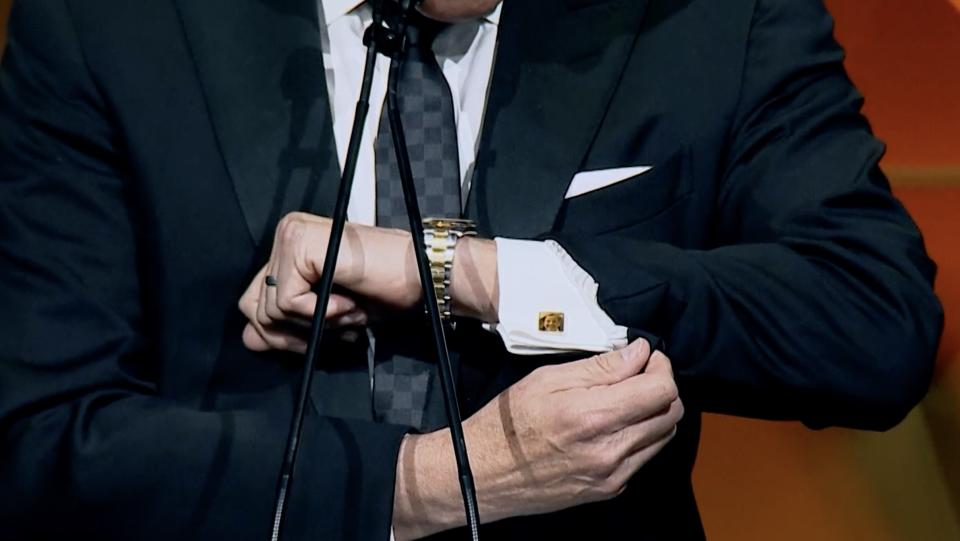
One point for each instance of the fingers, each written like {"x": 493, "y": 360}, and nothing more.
{"x": 349, "y": 319}
{"x": 659, "y": 364}
{"x": 292, "y": 299}
{"x": 251, "y": 297}
{"x": 290, "y": 303}
{"x": 257, "y": 338}
{"x": 288, "y": 299}
{"x": 631, "y": 448}
{"x": 278, "y": 334}
{"x": 635, "y": 437}
{"x": 613, "y": 407}
{"x": 260, "y": 314}
{"x": 253, "y": 340}
{"x": 299, "y": 309}
{"x": 604, "y": 369}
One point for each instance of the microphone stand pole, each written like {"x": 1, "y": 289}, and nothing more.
{"x": 467, "y": 488}
{"x": 391, "y": 42}
{"x": 325, "y": 285}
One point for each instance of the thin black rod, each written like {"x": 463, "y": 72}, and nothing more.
{"x": 324, "y": 286}
{"x": 467, "y": 487}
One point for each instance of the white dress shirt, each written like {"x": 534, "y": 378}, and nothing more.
{"x": 534, "y": 276}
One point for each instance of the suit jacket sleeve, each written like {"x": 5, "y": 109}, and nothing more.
{"x": 87, "y": 444}
{"x": 815, "y": 302}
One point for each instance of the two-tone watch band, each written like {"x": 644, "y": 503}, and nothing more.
{"x": 440, "y": 236}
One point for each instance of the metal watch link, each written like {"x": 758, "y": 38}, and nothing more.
{"x": 440, "y": 236}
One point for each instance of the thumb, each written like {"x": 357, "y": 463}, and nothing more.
{"x": 609, "y": 368}
{"x": 659, "y": 364}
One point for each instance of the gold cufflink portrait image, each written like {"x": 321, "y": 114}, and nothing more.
{"x": 550, "y": 321}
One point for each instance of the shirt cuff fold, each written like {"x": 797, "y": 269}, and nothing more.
{"x": 538, "y": 278}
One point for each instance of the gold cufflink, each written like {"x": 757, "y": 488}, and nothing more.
{"x": 550, "y": 321}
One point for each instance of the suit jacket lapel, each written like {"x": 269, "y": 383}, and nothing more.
{"x": 557, "y": 66}
{"x": 261, "y": 67}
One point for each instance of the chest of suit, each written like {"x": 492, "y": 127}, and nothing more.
{"x": 224, "y": 116}
{"x": 221, "y": 112}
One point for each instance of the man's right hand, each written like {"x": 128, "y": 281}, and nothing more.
{"x": 563, "y": 436}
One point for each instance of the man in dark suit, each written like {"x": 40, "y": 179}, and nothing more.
{"x": 149, "y": 150}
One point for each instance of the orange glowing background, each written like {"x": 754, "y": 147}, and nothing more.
{"x": 761, "y": 481}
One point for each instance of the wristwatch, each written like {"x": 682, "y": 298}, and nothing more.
{"x": 440, "y": 236}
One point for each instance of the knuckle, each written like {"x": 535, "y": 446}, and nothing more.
{"x": 272, "y": 312}
{"x": 605, "y": 463}
{"x": 282, "y": 226}
{"x": 662, "y": 358}
{"x": 673, "y": 393}
{"x": 594, "y": 422}
{"x": 284, "y": 303}
{"x": 290, "y": 228}
{"x": 666, "y": 390}
{"x": 567, "y": 416}
{"x": 589, "y": 422}
{"x": 679, "y": 410}
{"x": 290, "y": 217}
{"x": 244, "y": 305}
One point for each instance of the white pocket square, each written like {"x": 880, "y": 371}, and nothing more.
{"x": 588, "y": 181}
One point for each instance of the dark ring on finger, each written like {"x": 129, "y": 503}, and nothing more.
{"x": 271, "y": 280}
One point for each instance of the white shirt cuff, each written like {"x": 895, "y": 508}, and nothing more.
{"x": 540, "y": 276}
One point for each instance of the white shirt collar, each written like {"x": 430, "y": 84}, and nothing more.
{"x": 494, "y": 16}
{"x": 334, "y": 9}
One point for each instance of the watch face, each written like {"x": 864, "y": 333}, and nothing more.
{"x": 457, "y": 224}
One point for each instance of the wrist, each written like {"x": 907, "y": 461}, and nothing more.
{"x": 350, "y": 272}
{"x": 427, "y": 497}
{"x": 379, "y": 263}
{"x": 474, "y": 285}
{"x": 426, "y": 493}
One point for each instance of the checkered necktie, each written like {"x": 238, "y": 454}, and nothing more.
{"x": 402, "y": 382}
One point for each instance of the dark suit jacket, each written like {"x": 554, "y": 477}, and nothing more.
{"x": 148, "y": 148}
